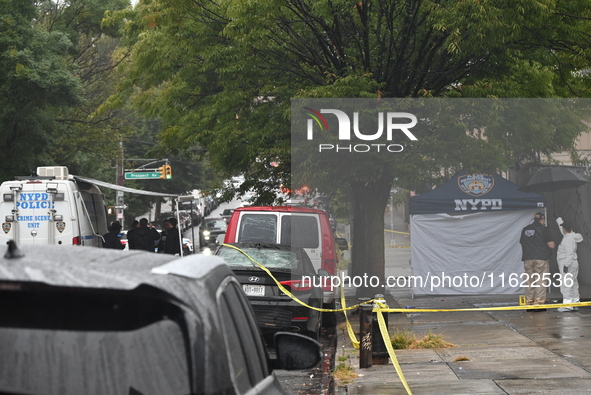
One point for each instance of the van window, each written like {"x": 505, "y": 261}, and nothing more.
{"x": 95, "y": 206}
{"x": 259, "y": 228}
{"x": 300, "y": 231}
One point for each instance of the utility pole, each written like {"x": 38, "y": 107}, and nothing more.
{"x": 120, "y": 180}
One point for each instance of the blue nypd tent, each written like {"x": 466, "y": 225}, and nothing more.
{"x": 465, "y": 235}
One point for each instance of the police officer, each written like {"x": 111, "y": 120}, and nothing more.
{"x": 143, "y": 237}
{"x": 112, "y": 239}
{"x": 537, "y": 245}
{"x": 172, "y": 245}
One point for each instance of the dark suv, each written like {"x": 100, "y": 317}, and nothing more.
{"x": 111, "y": 322}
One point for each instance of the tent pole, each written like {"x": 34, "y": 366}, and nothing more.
{"x": 178, "y": 222}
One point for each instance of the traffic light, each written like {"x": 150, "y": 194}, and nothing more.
{"x": 165, "y": 172}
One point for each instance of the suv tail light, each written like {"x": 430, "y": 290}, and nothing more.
{"x": 298, "y": 285}
{"x": 77, "y": 241}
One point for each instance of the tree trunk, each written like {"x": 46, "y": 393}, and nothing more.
{"x": 367, "y": 255}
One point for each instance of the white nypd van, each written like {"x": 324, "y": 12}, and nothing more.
{"x": 52, "y": 207}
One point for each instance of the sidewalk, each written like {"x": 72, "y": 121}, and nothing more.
{"x": 502, "y": 352}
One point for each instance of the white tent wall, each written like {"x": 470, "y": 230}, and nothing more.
{"x": 475, "y": 253}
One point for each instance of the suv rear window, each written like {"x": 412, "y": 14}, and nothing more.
{"x": 150, "y": 360}
{"x": 271, "y": 258}
{"x": 96, "y": 341}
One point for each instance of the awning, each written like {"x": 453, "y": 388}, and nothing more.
{"x": 122, "y": 188}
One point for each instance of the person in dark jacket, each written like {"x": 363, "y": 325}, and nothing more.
{"x": 143, "y": 237}
{"x": 172, "y": 244}
{"x": 162, "y": 241}
{"x": 112, "y": 239}
{"x": 134, "y": 226}
{"x": 536, "y": 245}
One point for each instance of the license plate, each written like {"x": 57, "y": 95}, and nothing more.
{"x": 254, "y": 290}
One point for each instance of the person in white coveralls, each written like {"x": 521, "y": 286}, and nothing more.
{"x": 567, "y": 263}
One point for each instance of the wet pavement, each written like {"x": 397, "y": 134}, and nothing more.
{"x": 497, "y": 352}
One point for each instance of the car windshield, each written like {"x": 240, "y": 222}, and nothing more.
{"x": 215, "y": 224}
{"x": 268, "y": 257}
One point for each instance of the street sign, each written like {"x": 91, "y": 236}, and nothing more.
{"x": 121, "y": 207}
{"x": 145, "y": 175}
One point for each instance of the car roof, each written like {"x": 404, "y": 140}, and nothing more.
{"x": 274, "y": 246}
{"x": 76, "y": 266}
{"x": 294, "y": 209}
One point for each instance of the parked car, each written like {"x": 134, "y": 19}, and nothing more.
{"x": 209, "y": 230}
{"x": 227, "y": 214}
{"x": 185, "y": 221}
{"x": 291, "y": 266}
{"x": 107, "y": 322}
{"x": 124, "y": 239}
{"x": 187, "y": 246}
{"x": 192, "y": 209}
{"x": 291, "y": 225}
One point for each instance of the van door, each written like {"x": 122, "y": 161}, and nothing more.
{"x": 302, "y": 230}
{"x": 92, "y": 215}
{"x": 37, "y": 212}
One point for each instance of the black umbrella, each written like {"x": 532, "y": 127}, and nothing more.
{"x": 554, "y": 179}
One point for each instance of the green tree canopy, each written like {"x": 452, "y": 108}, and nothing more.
{"x": 35, "y": 81}
{"x": 222, "y": 75}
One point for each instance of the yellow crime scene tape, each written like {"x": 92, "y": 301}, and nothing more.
{"x": 351, "y": 332}
{"x": 402, "y": 233}
{"x": 394, "y": 231}
{"x": 381, "y": 308}
{"x": 283, "y": 289}
{"x": 391, "y": 353}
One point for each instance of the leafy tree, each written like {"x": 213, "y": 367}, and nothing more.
{"x": 86, "y": 137}
{"x": 222, "y": 75}
{"x": 34, "y": 83}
